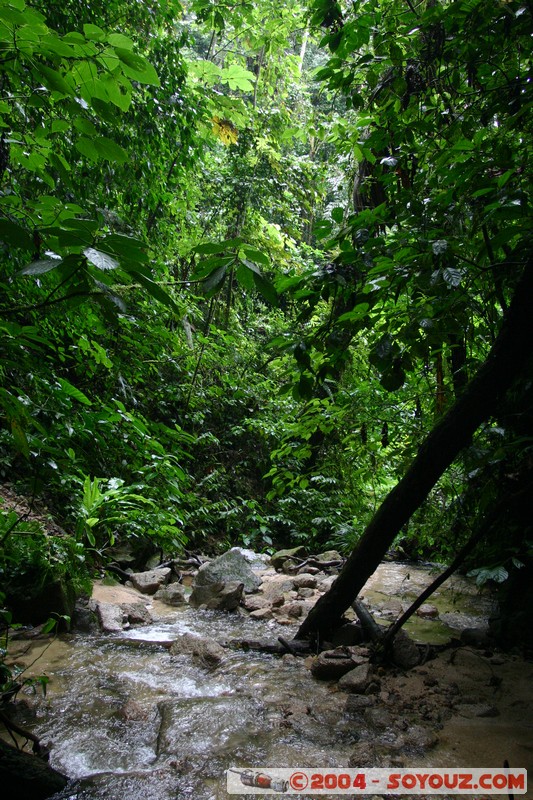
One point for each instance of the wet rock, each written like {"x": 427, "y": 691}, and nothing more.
{"x": 27, "y": 777}
{"x": 217, "y": 596}
{"x": 357, "y": 680}
{"x": 305, "y": 593}
{"x": 472, "y": 710}
{"x": 292, "y": 609}
{"x": 333, "y": 664}
{"x": 277, "y": 601}
{"x": 136, "y": 614}
{"x": 405, "y": 653}
{"x": 427, "y": 611}
{"x": 476, "y": 637}
{"x": 328, "y": 555}
{"x": 84, "y": 617}
{"x": 149, "y": 582}
{"x": 109, "y": 616}
{"x": 275, "y": 585}
{"x": 326, "y": 583}
{"x": 230, "y": 567}
{"x": 420, "y": 738}
{"x": 378, "y": 717}
{"x": 279, "y": 558}
{"x": 262, "y": 613}
{"x": 133, "y": 711}
{"x": 255, "y": 602}
{"x": 363, "y": 755}
{"x": 257, "y": 561}
{"x": 355, "y": 703}
{"x": 207, "y": 652}
{"x": 349, "y": 634}
{"x": 173, "y": 594}
{"x": 304, "y": 580}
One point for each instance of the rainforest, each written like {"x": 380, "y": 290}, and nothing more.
{"x": 266, "y": 276}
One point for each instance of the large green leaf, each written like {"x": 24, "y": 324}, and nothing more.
{"x": 99, "y": 259}
{"x": 73, "y": 392}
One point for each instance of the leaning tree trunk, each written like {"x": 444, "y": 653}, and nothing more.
{"x": 453, "y": 433}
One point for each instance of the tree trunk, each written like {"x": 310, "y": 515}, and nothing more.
{"x": 454, "y": 432}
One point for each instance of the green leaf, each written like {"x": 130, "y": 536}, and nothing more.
{"x": 73, "y": 392}
{"x": 266, "y": 288}
{"x": 109, "y": 150}
{"x": 119, "y": 40}
{"x": 11, "y": 233}
{"x": 238, "y": 78}
{"x": 214, "y": 280}
{"x": 94, "y": 32}
{"x": 137, "y": 67}
{"x": 87, "y": 148}
{"x": 256, "y": 255}
{"x": 156, "y": 291}
{"x": 99, "y": 259}
{"x": 54, "y": 80}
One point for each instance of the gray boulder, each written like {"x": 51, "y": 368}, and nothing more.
{"x": 150, "y": 581}
{"x": 109, "y": 616}
{"x": 172, "y": 594}
{"x": 207, "y": 652}
{"x": 279, "y": 558}
{"x": 357, "y": 679}
{"x": 230, "y": 567}
{"x": 333, "y": 664}
{"x": 217, "y": 596}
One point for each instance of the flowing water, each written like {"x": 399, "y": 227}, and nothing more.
{"x": 126, "y": 720}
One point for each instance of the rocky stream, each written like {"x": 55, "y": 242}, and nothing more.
{"x": 163, "y": 695}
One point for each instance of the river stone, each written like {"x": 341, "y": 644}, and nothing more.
{"x": 405, "y": 653}
{"x": 110, "y": 617}
{"x": 420, "y": 738}
{"x": 275, "y": 585}
{"x": 305, "y": 593}
{"x": 208, "y": 652}
{"x": 136, "y": 613}
{"x": 349, "y": 634}
{"x": 255, "y": 602}
{"x": 230, "y": 567}
{"x": 355, "y": 703}
{"x": 27, "y": 777}
{"x": 172, "y": 594}
{"x": 150, "y": 581}
{"x": 378, "y": 717}
{"x": 357, "y": 680}
{"x": 261, "y": 613}
{"x": 476, "y": 637}
{"x": 279, "y": 558}
{"x": 333, "y": 664}
{"x": 363, "y": 755}
{"x": 427, "y": 611}
{"x": 304, "y": 580}
{"x": 257, "y": 561}
{"x": 328, "y": 555}
{"x": 293, "y": 609}
{"x": 217, "y": 596}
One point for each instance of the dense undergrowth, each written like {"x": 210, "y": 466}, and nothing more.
{"x": 247, "y": 260}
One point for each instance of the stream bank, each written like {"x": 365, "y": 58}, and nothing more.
{"x": 129, "y": 714}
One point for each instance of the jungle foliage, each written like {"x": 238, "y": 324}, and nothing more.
{"x": 250, "y": 254}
